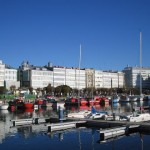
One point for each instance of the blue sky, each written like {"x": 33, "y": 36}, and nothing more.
{"x": 52, "y": 30}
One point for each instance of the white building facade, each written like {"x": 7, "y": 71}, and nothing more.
{"x": 133, "y": 76}
{"x": 72, "y": 77}
{"x": 90, "y": 78}
{"x": 40, "y": 77}
{"x": 109, "y": 79}
{"x": 8, "y": 76}
{"x": 11, "y": 78}
{"x": 98, "y": 79}
{"x": 2, "y": 73}
{"x": 35, "y": 77}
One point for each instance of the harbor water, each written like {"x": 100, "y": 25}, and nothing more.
{"x": 37, "y": 137}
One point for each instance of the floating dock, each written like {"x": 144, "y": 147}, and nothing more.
{"x": 114, "y": 128}
{"x": 20, "y": 122}
{"x": 111, "y": 133}
{"x": 118, "y": 131}
{"x": 41, "y": 120}
{"x": 64, "y": 125}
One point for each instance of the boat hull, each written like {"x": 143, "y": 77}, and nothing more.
{"x": 28, "y": 105}
{"x": 4, "y": 106}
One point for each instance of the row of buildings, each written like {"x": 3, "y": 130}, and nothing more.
{"x": 28, "y": 75}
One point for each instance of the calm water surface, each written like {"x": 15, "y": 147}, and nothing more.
{"x": 36, "y": 137}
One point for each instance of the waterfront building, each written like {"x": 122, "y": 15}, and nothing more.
{"x": 89, "y": 78}
{"x": 11, "y": 78}
{"x": 70, "y": 77}
{"x": 80, "y": 78}
{"x": 40, "y": 77}
{"x": 109, "y": 79}
{"x": 2, "y": 73}
{"x": 132, "y": 77}
{"x": 121, "y": 81}
{"x": 98, "y": 79}
{"x": 34, "y": 76}
{"x": 73, "y": 77}
{"x": 8, "y": 76}
{"x": 59, "y": 76}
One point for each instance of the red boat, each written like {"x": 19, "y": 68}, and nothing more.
{"x": 84, "y": 108}
{"x": 83, "y": 102}
{"x": 72, "y": 101}
{"x": 91, "y": 102}
{"x": 12, "y": 108}
{"x": 39, "y": 102}
{"x": 28, "y": 105}
{"x": 104, "y": 100}
{"x": 28, "y": 110}
{"x": 96, "y": 102}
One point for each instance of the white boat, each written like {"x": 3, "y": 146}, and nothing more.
{"x": 80, "y": 114}
{"x": 140, "y": 117}
{"x": 125, "y": 117}
{"x": 88, "y": 114}
{"x": 4, "y": 111}
{"x": 111, "y": 117}
{"x": 35, "y": 107}
{"x": 4, "y": 106}
{"x": 97, "y": 115}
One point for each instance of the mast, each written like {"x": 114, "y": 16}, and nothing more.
{"x": 79, "y": 72}
{"x": 79, "y": 78}
{"x": 140, "y": 63}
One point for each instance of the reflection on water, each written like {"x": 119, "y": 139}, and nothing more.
{"x": 37, "y": 137}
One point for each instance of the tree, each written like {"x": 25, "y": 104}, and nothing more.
{"x": 13, "y": 88}
{"x": 63, "y": 90}
{"x": 31, "y": 90}
{"x": 2, "y": 90}
{"x": 75, "y": 92}
{"x": 90, "y": 91}
{"x": 58, "y": 91}
{"x": 49, "y": 89}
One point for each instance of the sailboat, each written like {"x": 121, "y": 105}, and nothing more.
{"x": 89, "y": 114}
{"x": 92, "y": 101}
{"x": 140, "y": 116}
{"x": 79, "y": 79}
{"x": 140, "y": 98}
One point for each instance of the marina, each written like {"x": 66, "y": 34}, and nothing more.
{"x": 74, "y": 75}
{"x": 49, "y": 124}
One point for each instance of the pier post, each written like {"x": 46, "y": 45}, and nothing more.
{"x": 61, "y": 114}
{"x": 36, "y": 120}
{"x": 114, "y": 117}
{"x": 39, "y": 106}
